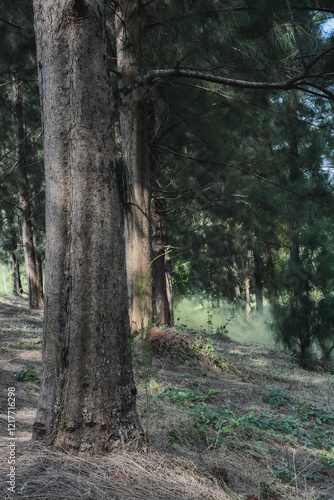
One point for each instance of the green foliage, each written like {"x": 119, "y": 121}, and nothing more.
{"x": 186, "y": 397}
{"x": 27, "y": 373}
{"x": 181, "y": 279}
{"x": 285, "y": 472}
{"x": 303, "y": 324}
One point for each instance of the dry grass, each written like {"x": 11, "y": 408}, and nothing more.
{"x": 43, "y": 474}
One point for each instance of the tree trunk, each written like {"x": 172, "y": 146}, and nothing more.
{"x": 17, "y": 285}
{"x": 13, "y": 245}
{"x": 161, "y": 265}
{"x": 87, "y": 397}
{"x": 248, "y": 305}
{"x": 39, "y": 266}
{"x": 40, "y": 274}
{"x": 236, "y": 285}
{"x": 35, "y": 297}
{"x": 258, "y": 280}
{"x": 135, "y": 149}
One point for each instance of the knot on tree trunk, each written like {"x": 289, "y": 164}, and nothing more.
{"x": 79, "y": 8}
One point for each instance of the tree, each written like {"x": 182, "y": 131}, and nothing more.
{"x": 134, "y": 137}
{"x": 87, "y": 397}
{"x": 19, "y": 143}
{"x": 34, "y": 292}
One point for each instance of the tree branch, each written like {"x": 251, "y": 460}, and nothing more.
{"x": 153, "y": 76}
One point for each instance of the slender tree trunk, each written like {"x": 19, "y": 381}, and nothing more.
{"x": 87, "y": 397}
{"x": 236, "y": 285}
{"x": 258, "y": 280}
{"x": 40, "y": 274}
{"x": 16, "y": 276}
{"x": 161, "y": 265}
{"x": 35, "y": 297}
{"x": 134, "y": 131}
{"x": 17, "y": 285}
{"x": 248, "y": 305}
{"x": 39, "y": 266}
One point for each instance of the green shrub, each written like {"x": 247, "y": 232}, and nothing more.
{"x": 305, "y": 327}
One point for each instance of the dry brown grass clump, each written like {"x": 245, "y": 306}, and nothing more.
{"x": 43, "y": 474}
{"x": 187, "y": 348}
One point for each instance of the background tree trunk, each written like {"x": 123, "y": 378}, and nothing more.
{"x": 35, "y": 296}
{"x": 161, "y": 265}
{"x": 17, "y": 285}
{"x": 248, "y": 305}
{"x": 87, "y": 397}
{"x": 134, "y": 124}
{"x": 39, "y": 265}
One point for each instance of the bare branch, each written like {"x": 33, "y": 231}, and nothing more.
{"x": 10, "y": 24}
{"x": 154, "y": 76}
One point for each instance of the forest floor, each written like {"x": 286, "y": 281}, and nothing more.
{"x": 225, "y": 420}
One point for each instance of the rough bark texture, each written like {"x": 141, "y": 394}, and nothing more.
{"x": 87, "y": 397}
{"x": 133, "y": 123}
{"x": 35, "y": 297}
{"x": 161, "y": 265}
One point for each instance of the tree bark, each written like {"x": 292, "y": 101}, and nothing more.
{"x": 87, "y": 397}
{"x": 35, "y": 297}
{"x": 161, "y": 266}
{"x": 17, "y": 285}
{"x": 133, "y": 125}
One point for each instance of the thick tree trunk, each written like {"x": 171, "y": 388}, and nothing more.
{"x": 134, "y": 125}
{"x": 161, "y": 265}
{"x": 35, "y": 297}
{"x": 87, "y": 397}
{"x": 258, "y": 280}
